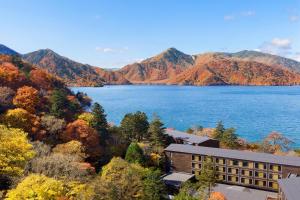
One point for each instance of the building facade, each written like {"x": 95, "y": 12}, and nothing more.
{"x": 249, "y": 169}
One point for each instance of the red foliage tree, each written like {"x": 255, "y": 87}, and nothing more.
{"x": 80, "y": 131}
{"x": 10, "y": 76}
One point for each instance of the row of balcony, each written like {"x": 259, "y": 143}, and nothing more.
{"x": 238, "y": 163}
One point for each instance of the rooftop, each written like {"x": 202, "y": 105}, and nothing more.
{"x": 290, "y": 188}
{"x": 233, "y": 192}
{"x": 235, "y": 154}
{"x": 190, "y": 138}
{"x": 176, "y": 179}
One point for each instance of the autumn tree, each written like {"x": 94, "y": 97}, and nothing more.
{"x": 61, "y": 166}
{"x": 10, "y": 76}
{"x": 27, "y": 98}
{"x": 157, "y": 133}
{"x": 79, "y": 130}
{"x": 135, "y": 154}
{"x": 119, "y": 181}
{"x": 54, "y": 127}
{"x": 276, "y": 142}
{"x": 6, "y": 98}
{"x": 217, "y": 196}
{"x": 15, "y": 150}
{"x": 43, "y": 80}
{"x": 72, "y": 148}
{"x": 87, "y": 117}
{"x": 37, "y": 186}
{"x": 18, "y": 118}
{"x": 134, "y": 126}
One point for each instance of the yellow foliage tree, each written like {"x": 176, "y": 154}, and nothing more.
{"x": 40, "y": 187}
{"x": 15, "y": 151}
{"x": 73, "y": 148}
{"x": 18, "y": 118}
{"x": 120, "y": 180}
{"x": 27, "y": 98}
{"x": 37, "y": 187}
{"x": 87, "y": 117}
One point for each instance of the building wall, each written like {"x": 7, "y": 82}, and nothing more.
{"x": 180, "y": 162}
{"x": 210, "y": 143}
{"x": 239, "y": 172}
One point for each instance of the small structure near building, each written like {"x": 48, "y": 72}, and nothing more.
{"x": 289, "y": 189}
{"x": 191, "y": 139}
{"x": 176, "y": 179}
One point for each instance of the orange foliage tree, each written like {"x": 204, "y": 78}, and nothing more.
{"x": 217, "y": 196}
{"x": 44, "y": 80}
{"x": 10, "y": 76}
{"x": 27, "y": 98}
{"x": 79, "y": 130}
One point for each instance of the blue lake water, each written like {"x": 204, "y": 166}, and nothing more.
{"x": 253, "y": 111}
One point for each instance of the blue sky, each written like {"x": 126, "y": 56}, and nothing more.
{"x": 112, "y": 33}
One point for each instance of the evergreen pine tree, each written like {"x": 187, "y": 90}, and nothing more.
{"x": 59, "y": 103}
{"x": 99, "y": 121}
{"x": 135, "y": 154}
{"x": 156, "y": 133}
{"x": 208, "y": 174}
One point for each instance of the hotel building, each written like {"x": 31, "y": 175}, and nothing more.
{"x": 249, "y": 169}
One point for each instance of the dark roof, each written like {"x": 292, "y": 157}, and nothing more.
{"x": 290, "y": 188}
{"x": 190, "y": 138}
{"x": 235, "y": 154}
{"x": 177, "y": 178}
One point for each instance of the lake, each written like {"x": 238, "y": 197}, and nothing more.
{"x": 253, "y": 111}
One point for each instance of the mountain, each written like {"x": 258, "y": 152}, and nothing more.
{"x": 265, "y": 58}
{"x": 158, "y": 68}
{"x": 73, "y": 73}
{"x": 219, "y": 69}
{"x": 174, "y": 67}
{"x": 7, "y": 51}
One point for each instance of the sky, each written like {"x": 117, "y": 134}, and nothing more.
{"x": 113, "y": 33}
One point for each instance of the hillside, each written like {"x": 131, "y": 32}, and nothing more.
{"x": 158, "y": 68}
{"x": 217, "y": 69}
{"x": 265, "y": 58}
{"x": 7, "y": 51}
{"x": 73, "y": 73}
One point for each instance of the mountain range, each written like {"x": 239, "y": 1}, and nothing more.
{"x": 173, "y": 67}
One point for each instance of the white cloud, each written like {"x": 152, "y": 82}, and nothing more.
{"x": 277, "y": 46}
{"x": 248, "y": 13}
{"x": 282, "y": 43}
{"x": 111, "y": 50}
{"x": 229, "y": 17}
{"x": 294, "y": 18}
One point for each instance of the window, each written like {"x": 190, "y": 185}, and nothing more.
{"x": 275, "y": 168}
{"x": 246, "y": 181}
{"x": 260, "y": 174}
{"x": 261, "y": 166}
{"x": 273, "y": 185}
{"x": 229, "y": 170}
{"x": 246, "y": 172}
{"x": 235, "y": 162}
{"x": 245, "y": 164}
